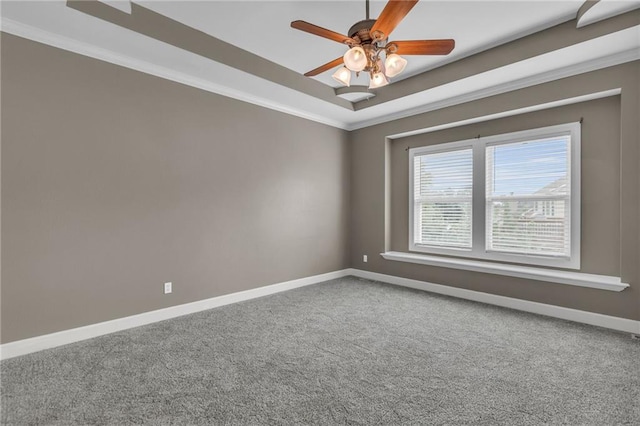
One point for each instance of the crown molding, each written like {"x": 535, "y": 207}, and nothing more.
{"x": 572, "y": 70}
{"x": 510, "y": 113}
{"x": 146, "y": 22}
{"x": 32, "y": 33}
{"x": 591, "y": 11}
{"x": 65, "y": 43}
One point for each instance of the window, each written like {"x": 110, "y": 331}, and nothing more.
{"x": 512, "y": 197}
{"x": 443, "y": 196}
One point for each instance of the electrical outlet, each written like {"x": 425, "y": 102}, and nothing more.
{"x": 167, "y": 288}
{"x": 364, "y": 258}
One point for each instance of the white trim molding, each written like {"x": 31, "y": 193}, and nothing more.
{"x": 580, "y": 279}
{"x": 595, "y": 11}
{"x": 48, "y": 341}
{"x": 85, "y": 49}
{"x": 591, "y": 318}
{"x": 336, "y": 117}
{"x": 510, "y": 113}
{"x": 505, "y": 87}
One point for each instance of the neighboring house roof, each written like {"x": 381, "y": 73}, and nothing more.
{"x": 553, "y": 188}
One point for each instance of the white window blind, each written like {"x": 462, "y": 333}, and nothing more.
{"x": 528, "y": 197}
{"x": 443, "y": 198}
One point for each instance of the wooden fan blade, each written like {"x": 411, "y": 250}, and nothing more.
{"x": 325, "y": 67}
{"x": 322, "y": 32}
{"x": 391, "y": 16}
{"x": 424, "y": 47}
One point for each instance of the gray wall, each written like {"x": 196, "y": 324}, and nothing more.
{"x": 610, "y": 197}
{"x": 114, "y": 182}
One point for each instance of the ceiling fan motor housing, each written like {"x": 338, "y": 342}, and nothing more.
{"x": 361, "y": 31}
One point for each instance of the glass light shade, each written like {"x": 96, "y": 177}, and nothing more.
{"x": 378, "y": 80}
{"x": 343, "y": 76}
{"x": 355, "y": 59}
{"x": 394, "y": 65}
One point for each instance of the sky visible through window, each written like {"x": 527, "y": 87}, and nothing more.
{"x": 527, "y": 167}
{"x": 521, "y": 168}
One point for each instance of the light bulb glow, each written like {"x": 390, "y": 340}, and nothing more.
{"x": 355, "y": 59}
{"x": 394, "y": 65}
{"x": 342, "y": 75}
{"x": 378, "y": 80}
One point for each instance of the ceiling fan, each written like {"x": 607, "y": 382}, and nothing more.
{"x": 368, "y": 40}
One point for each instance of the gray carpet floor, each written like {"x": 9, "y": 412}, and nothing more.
{"x": 348, "y": 351}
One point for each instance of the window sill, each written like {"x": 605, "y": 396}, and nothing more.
{"x": 602, "y": 282}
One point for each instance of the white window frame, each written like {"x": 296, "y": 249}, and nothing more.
{"x": 479, "y": 205}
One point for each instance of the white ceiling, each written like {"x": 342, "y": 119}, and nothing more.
{"x": 262, "y": 27}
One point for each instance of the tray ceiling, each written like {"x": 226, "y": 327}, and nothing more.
{"x": 259, "y": 30}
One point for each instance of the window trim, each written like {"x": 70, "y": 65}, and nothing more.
{"x": 581, "y": 279}
{"x": 478, "y": 211}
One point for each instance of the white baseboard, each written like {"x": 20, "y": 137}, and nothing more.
{"x": 35, "y": 344}
{"x": 47, "y": 341}
{"x": 592, "y": 318}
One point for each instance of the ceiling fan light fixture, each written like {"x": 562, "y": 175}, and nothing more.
{"x": 370, "y": 50}
{"x": 394, "y": 65}
{"x": 378, "y": 80}
{"x": 342, "y": 75}
{"x": 355, "y": 59}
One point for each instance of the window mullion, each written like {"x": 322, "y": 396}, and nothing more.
{"x": 478, "y": 203}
